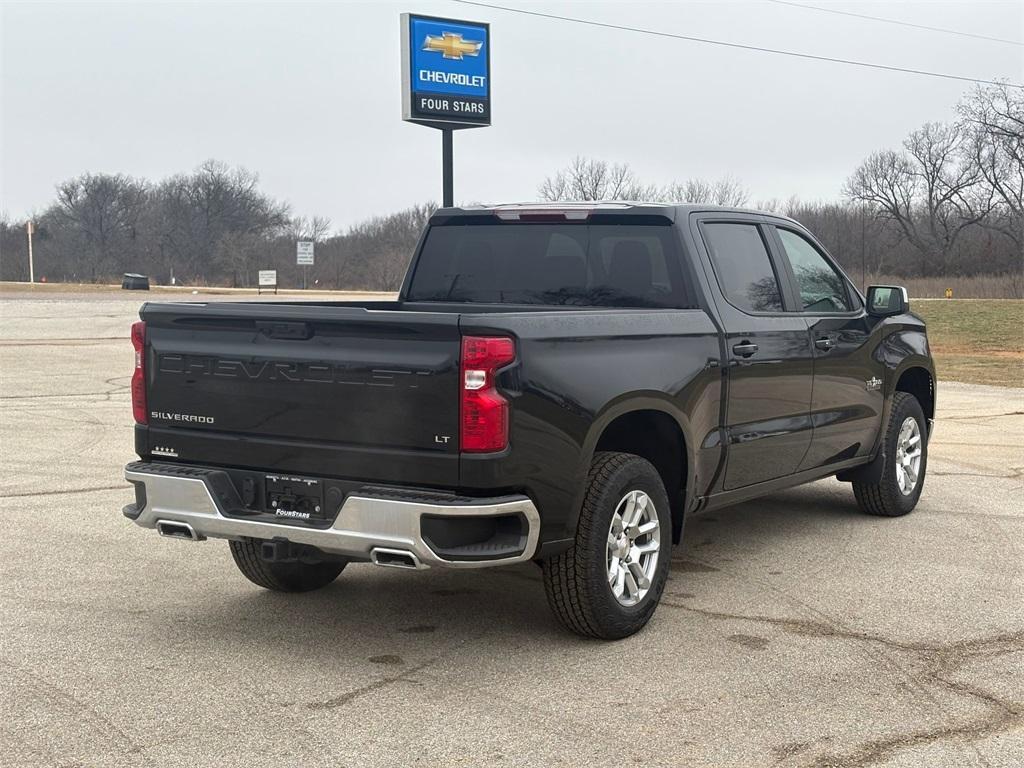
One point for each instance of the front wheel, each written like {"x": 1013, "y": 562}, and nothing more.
{"x": 905, "y": 450}
{"x": 608, "y": 583}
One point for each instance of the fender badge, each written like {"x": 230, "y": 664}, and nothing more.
{"x": 873, "y": 383}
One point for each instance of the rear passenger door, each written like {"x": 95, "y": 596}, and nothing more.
{"x": 846, "y": 405}
{"x": 768, "y": 426}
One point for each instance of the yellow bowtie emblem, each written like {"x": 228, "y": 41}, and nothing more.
{"x": 451, "y": 45}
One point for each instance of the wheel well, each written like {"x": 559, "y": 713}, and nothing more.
{"x": 657, "y": 437}
{"x": 918, "y": 382}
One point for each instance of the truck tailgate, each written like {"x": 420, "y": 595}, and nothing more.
{"x": 287, "y": 379}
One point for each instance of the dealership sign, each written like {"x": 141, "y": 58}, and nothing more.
{"x": 446, "y": 72}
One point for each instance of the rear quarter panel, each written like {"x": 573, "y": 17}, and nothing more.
{"x": 575, "y": 373}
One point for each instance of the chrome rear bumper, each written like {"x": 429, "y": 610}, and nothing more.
{"x": 364, "y": 523}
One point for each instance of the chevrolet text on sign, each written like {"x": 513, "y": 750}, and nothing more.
{"x": 446, "y": 72}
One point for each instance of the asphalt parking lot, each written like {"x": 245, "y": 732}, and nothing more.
{"x": 795, "y": 631}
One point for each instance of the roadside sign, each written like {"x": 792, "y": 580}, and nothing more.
{"x": 267, "y": 279}
{"x": 446, "y": 72}
{"x": 304, "y": 253}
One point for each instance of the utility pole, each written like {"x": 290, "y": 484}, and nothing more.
{"x": 30, "y": 228}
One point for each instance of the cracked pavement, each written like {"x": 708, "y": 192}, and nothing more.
{"x": 794, "y": 631}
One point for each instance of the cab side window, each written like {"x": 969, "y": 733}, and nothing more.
{"x": 743, "y": 267}
{"x": 822, "y": 288}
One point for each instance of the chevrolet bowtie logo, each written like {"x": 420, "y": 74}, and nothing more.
{"x": 451, "y": 45}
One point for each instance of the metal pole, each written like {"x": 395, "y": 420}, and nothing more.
{"x": 31, "y": 266}
{"x": 447, "y": 193}
{"x": 863, "y": 253}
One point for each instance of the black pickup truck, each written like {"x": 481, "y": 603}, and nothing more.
{"x": 556, "y": 383}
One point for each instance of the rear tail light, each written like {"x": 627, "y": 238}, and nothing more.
{"x": 139, "y": 375}
{"x": 484, "y": 424}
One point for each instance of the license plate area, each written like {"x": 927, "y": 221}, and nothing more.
{"x": 294, "y": 498}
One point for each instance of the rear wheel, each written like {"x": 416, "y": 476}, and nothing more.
{"x": 905, "y": 447}
{"x": 608, "y": 583}
{"x": 290, "y": 576}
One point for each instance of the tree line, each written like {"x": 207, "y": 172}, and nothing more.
{"x": 213, "y": 226}
{"x": 949, "y": 201}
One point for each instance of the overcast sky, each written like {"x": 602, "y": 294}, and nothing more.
{"x": 308, "y": 95}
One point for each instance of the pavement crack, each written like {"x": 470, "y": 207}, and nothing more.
{"x": 938, "y": 473}
{"x": 30, "y": 494}
{"x": 344, "y": 698}
{"x": 72, "y": 707}
{"x": 981, "y": 416}
{"x": 804, "y": 627}
{"x": 71, "y": 342}
{"x": 940, "y": 661}
{"x": 106, "y": 393}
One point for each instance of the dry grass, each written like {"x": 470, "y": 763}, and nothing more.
{"x": 1008, "y": 286}
{"x": 976, "y": 341}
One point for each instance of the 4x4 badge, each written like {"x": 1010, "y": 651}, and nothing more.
{"x": 873, "y": 383}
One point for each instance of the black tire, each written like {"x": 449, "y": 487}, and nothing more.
{"x": 577, "y": 580}
{"x": 282, "y": 577}
{"x": 885, "y": 498}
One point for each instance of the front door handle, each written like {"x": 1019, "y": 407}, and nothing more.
{"x": 825, "y": 344}
{"x": 744, "y": 349}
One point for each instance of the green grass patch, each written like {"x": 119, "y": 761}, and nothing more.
{"x": 976, "y": 340}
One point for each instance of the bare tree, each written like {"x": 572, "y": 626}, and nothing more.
{"x": 586, "y": 179}
{"x": 993, "y": 118}
{"x": 726, "y": 191}
{"x": 377, "y": 251}
{"x": 315, "y": 228}
{"x": 926, "y": 190}
{"x": 99, "y": 215}
{"x": 214, "y": 203}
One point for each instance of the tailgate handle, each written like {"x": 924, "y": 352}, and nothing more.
{"x": 279, "y": 330}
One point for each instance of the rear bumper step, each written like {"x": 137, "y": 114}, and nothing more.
{"x": 396, "y": 532}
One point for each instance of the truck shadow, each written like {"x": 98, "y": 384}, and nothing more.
{"x": 383, "y": 615}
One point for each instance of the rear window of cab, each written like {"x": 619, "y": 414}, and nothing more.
{"x": 582, "y": 264}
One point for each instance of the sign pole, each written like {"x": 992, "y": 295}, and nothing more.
{"x": 447, "y": 171}
{"x": 30, "y": 228}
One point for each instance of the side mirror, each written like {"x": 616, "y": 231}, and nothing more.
{"x": 886, "y": 300}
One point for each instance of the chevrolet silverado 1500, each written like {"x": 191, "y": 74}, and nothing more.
{"x": 563, "y": 384}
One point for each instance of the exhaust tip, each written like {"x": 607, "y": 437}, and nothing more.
{"x": 394, "y": 558}
{"x": 172, "y": 529}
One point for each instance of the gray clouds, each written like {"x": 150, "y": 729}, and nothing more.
{"x": 307, "y": 95}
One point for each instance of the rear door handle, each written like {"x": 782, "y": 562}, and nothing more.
{"x": 744, "y": 349}
{"x": 825, "y": 344}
